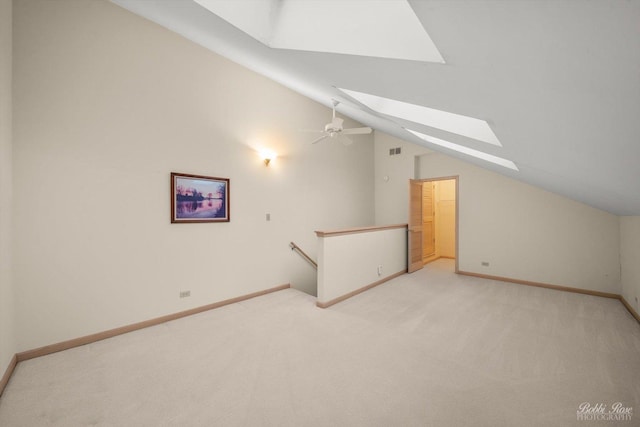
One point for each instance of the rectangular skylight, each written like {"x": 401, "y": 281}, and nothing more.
{"x": 450, "y": 122}
{"x": 466, "y": 150}
{"x": 352, "y": 27}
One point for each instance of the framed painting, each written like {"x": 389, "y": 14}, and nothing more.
{"x": 197, "y": 198}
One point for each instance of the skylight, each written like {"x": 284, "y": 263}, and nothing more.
{"x": 450, "y": 122}
{"x": 387, "y": 29}
{"x": 466, "y": 150}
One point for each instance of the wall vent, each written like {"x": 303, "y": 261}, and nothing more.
{"x": 394, "y": 151}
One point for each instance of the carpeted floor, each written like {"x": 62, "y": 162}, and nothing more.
{"x": 426, "y": 349}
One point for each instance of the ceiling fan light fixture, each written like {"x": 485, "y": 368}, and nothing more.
{"x": 334, "y": 129}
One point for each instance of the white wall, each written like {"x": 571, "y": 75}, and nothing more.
{"x": 350, "y": 262}
{"x": 106, "y": 105}
{"x": 630, "y": 259}
{"x": 527, "y": 233}
{"x": 7, "y": 342}
{"x": 392, "y": 193}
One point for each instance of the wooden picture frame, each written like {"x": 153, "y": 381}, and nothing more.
{"x": 199, "y": 198}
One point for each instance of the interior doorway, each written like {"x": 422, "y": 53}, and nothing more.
{"x": 433, "y": 221}
{"x": 439, "y": 220}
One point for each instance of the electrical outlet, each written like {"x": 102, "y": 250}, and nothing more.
{"x": 484, "y": 264}
{"x": 184, "y": 294}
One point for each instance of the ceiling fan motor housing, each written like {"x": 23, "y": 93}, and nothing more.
{"x": 335, "y": 126}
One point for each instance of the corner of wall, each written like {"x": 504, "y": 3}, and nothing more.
{"x": 7, "y": 327}
{"x": 392, "y": 174}
{"x": 629, "y": 254}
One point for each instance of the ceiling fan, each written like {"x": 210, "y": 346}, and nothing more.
{"x": 335, "y": 129}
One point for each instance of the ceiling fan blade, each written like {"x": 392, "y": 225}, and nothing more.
{"x": 356, "y": 131}
{"x": 320, "y": 139}
{"x": 311, "y": 130}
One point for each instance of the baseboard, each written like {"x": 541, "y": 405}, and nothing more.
{"x": 430, "y": 259}
{"x": 558, "y": 288}
{"x": 631, "y": 310}
{"x": 53, "y": 348}
{"x": 7, "y": 374}
{"x": 88, "y": 339}
{"x": 433, "y": 258}
{"x": 541, "y": 285}
{"x": 359, "y": 291}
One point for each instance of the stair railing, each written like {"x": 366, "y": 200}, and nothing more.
{"x": 296, "y": 248}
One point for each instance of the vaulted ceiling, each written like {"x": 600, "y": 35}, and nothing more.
{"x": 557, "y": 82}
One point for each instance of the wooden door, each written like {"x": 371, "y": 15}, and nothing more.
{"x": 414, "y": 237}
{"x": 428, "y": 221}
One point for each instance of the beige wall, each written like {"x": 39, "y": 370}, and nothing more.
{"x": 527, "y": 233}
{"x": 350, "y": 262}
{"x": 7, "y": 342}
{"x": 106, "y": 105}
{"x": 392, "y": 178}
{"x": 630, "y": 259}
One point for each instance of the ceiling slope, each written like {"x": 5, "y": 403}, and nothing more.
{"x": 557, "y": 82}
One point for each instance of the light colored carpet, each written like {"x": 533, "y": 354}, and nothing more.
{"x": 426, "y": 349}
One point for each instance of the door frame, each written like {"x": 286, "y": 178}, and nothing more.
{"x": 414, "y": 231}
{"x": 456, "y": 178}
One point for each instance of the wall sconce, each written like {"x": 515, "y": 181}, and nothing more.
{"x": 267, "y": 156}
